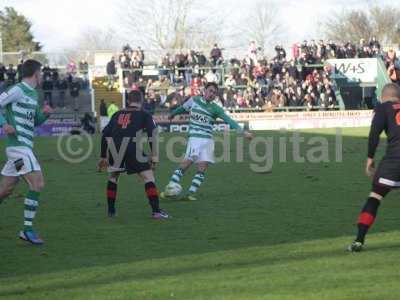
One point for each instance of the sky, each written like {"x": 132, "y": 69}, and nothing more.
{"x": 58, "y": 24}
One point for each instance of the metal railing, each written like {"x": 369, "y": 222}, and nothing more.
{"x": 161, "y": 110}
{"x": 126, "y": 76}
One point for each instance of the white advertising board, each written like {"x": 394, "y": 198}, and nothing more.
{"x": 363, "y": 70}
{"x": 311, "y": 120}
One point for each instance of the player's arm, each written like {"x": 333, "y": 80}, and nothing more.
{"x": 10, "y": 96}
{"x": 7, "y": 129}
{"x": 377, "y": 126}
{"x": 106, "y": 133}
{"x": 152, "y": 134}
{"x": 233, "y": 124}
{"x": 41, "y": 116}
{"x": 2, "y": 119}
{"x": 184, "y": 108}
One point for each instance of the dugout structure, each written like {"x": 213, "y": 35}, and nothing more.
{"x": 358, "y": 81}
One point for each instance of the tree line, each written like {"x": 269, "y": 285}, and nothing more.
{"x": 189, "y": 24}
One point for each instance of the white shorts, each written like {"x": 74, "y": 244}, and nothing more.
{"x": 200, "y": 149}
{"x": 28, "y": 164}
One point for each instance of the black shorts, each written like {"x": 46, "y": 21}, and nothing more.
{"x": 129, "y": 164}
{"x": 388, "y": 173}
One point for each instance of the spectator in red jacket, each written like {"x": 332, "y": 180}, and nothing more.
{"x": 195, "y": 86}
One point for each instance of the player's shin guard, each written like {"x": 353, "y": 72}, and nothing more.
{"x": 367, "y": 218}
{"x": 31, "y": 204}
{"x": 196, "y": 182}
{"x": 111, "y": 195}
{"x": 152, "y": 195}
{"x": 177, "y": 176}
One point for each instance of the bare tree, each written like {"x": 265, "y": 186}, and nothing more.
{"x": 205, "y": 33}
{"x": 262, "y": 24}
{"x": 166, "y": 24}
{"x": 97, "y": 39}
{"x": 386, "y": 23}
{"x": 353, "y": 25}
{"x": 90, "y": 41}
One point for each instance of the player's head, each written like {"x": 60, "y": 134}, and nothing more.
{"x": 31, "y": 70}
{"x": 135, "y": 98}
{"x": 210, "y": 91}
{"x": 390, "y": 92}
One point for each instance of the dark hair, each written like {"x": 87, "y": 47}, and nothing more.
{"x": 391, "y": 90}
{"x": 211, "y": 84}
{"x": 135, "y": 97}
{"x": 30, "y": 67}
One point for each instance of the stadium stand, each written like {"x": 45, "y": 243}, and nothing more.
{"x": 251, "y": 83}
{"x": 101, "y": 91}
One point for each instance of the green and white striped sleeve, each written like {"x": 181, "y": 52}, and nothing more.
{"x": 2, "y": 119}
{"x": 227, "y": 119}
{"x": 185, "y": 107}
{"x": 10, "y": 96}
{"x": 40, "y": 117}
{"x": 7, "y": 97}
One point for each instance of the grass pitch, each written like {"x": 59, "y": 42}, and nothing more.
{"x": 272, "y": 235}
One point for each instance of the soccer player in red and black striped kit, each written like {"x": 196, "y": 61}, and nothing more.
{"x": 121, "y": 151}
{"x": 387, "y": 176}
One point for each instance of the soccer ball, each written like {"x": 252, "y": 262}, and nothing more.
{"x": 173, "y": 189}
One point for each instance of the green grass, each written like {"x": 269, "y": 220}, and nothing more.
{"x": 276, "y": 235}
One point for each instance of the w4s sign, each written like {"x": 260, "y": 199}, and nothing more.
{"x": 361, "y": 70}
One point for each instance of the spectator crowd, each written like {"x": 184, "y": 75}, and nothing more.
{"x": 250, "y": 82}
{"x": 253, "y": 82}
{"x": 316, "y": 53}
{"x": 56, "y": 83}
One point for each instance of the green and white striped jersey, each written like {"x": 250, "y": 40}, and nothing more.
{"x": 22, "y": 112}
{"x": 203, "y": 115}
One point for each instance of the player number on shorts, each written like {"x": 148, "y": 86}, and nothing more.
{"x": 124, "y": 120}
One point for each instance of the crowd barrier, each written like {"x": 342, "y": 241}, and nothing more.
{"x": 282, "y": 120}
{"x": 58, "y": 125}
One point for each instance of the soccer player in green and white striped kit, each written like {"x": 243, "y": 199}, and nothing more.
{"x": 200, "y": 148}
{"x": 22, "y": 114}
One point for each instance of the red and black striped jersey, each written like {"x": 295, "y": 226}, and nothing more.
{"x": 128, "y": 124}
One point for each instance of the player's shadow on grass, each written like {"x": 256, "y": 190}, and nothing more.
{"x": 163, "y": 269}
